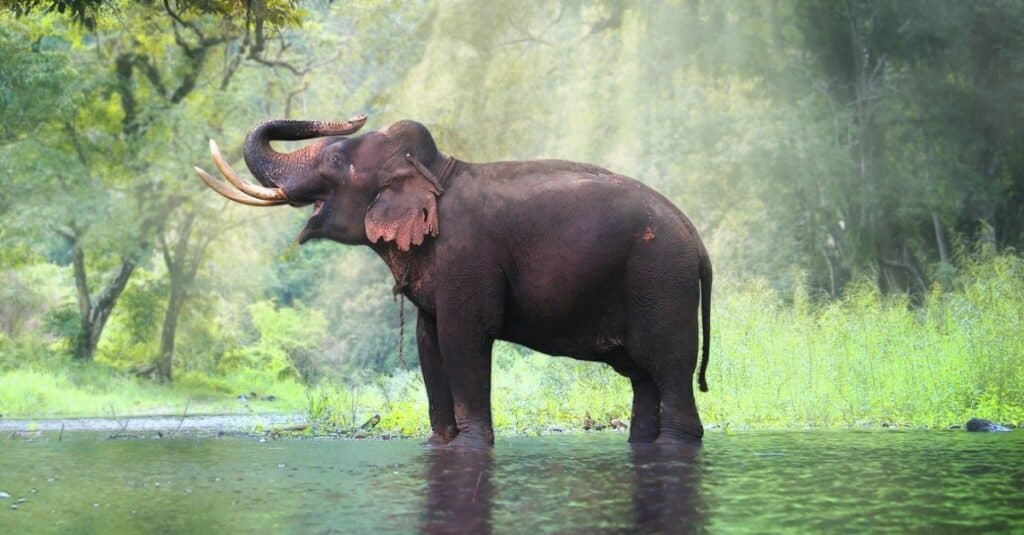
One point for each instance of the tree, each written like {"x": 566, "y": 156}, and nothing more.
{"x": 123, "y": 109}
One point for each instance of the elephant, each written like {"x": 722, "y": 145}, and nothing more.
{"x": 565, "y": 258}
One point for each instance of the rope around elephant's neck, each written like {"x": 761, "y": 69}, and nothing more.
{"x": 397, "y": 294}
{"x": 400, "y": 284}
{"x": 449, "y": 166}
{"x": 401, "y": 333}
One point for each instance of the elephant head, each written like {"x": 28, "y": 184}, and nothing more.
{"x": 363, "y": 189}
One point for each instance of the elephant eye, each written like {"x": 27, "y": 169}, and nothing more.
{"x": 335, "y": 158}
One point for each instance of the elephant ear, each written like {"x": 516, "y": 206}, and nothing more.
{"x": 405, "y": 210}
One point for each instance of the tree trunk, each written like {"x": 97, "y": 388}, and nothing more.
{"x": 84, "y": 344}
{"x": 165, "y": 361}
{"x": 182, "y": 264}
{"x": 940, "y": 239}
{"x": 93, "y": 315}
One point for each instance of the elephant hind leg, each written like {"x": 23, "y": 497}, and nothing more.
{"x": 679, "y": 419}
{"x": 664, "y": 409}
{"x": 662, "y": 339}
{"x": 677, "y": 351}
{"x": 644, "y": 424}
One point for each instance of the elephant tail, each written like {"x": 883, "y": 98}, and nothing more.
{"x": 705, "y": 317}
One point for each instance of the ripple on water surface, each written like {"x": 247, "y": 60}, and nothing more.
{"x": 745, "y": 482}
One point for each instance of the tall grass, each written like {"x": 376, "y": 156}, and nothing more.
{"x": 78, "y": 392}
{"x": 862, "y": 359}
{"x": 83, "y": 390}
{"x": 776, "y": 362}
{"x": 869, "y": 358}
{"x": 530, "y": 393}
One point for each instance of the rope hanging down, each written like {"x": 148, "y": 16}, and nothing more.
{"x": 400, "y": 284}
{"x": 401, "y": 332}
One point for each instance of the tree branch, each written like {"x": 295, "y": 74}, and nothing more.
{"x": 77, "y": 144}
{"x": 81, "y": 280}
{"x": 152, "y": 74}
{"x": 178, "y": 20}
{"x": 291, "y": 96}
{"x": 275, "y": 63}
{"x": 110, "y": 293}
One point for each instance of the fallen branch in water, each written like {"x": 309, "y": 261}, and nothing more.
{"x": 120, "y": 433}
{"x": 182, "y": 419}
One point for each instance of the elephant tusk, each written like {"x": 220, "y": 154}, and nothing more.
{"x": 259, "y": 192}
{"x": 234, "y": 195}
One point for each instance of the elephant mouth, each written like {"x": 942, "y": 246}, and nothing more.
{"x": 250, "y": 194}
{"x": 314, "y": 225}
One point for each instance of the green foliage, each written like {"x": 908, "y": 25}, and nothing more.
{"x": 286, "y": 337}
{"x": 62, "y": 323}
{"x": 27, "y": 294}
{"x": 825, "y": 150}
{"x": 268, "y": 363}
{"x": 81, "y": 11}
{"x": 26, "y": 351}
{"x": 134, "y": 333}
{"x": 99, "y": 391}
{"x": 532, "y": 391}
{"x": 866, "y": 359}
{"x": 77, "y": 391}
{"x": 872, "y": 358}
{"x": 291, "y": 329}
{"x": 30, "y": 86}
{"x": 86, "y": 12}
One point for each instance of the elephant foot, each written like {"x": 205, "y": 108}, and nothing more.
{"x": 473, "y": 441}
{"x": 674, "y": 440}
{"x": 667, "y": 450}
{"x": 642, "y": 435}
{"x": 442, "y": 435}
{"x": 437, "y": 440}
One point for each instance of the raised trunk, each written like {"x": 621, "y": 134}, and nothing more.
{"x": 276, "y": 169}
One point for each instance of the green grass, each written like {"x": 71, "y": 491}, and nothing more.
{"x": 867, "y": 358}
{"x": 862, "y": 360}
{"x": 530, "y": 394}
{"x": 96, "y": 391}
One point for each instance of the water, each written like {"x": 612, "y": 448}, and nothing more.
{"x": 752, "y": 482}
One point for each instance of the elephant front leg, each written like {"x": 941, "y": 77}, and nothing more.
{"x": 470, "y": 376}
{"x": 467, "y": 364}
{"x": 470, "y": 304}
{"x": 439, "y": 394}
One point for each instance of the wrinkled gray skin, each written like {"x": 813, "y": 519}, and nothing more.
{"x": 565, "y": 258}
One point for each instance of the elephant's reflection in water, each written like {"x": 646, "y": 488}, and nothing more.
{"x": 666, "y": 492}
{"x": 667, "y": 489}
{"x": 459, "y": 491}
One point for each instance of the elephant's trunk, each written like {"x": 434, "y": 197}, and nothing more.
{"x": 272, "y": 168}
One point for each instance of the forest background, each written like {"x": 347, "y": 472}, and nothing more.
{"x": 856, "y": 169}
